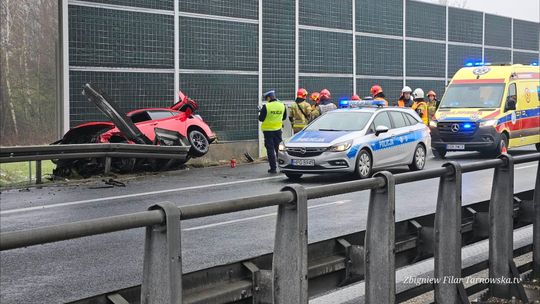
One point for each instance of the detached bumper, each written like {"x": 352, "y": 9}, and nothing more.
{"x": 326, "y": 162}
{"x": 484, "y": 138}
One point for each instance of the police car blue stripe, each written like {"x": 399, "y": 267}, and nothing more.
{"x": 317, "y": 136}
{"x": 388, "y": 143}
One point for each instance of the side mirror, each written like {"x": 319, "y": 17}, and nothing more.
{"x": 380, "y": 129}
{"x": 510, "y": 103}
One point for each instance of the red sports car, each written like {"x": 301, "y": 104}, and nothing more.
{"x": 135, "y": 127}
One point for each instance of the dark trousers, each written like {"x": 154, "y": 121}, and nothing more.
{"x": 272, "y": 139}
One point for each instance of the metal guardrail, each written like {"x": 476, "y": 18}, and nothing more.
{"x": 385, "y": 245}
{"x": 75, "y": 151}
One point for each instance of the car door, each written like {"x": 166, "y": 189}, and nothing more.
{"x": 414, "y": 136}
{"x": 400, "y": 132}
{"x": 382, "y": 144}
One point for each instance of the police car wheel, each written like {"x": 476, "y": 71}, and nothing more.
{"x": 363, "y": 164}
{"x": 199, "y": 143}
{"x": 419, "y": 159}
{"x": 293, "y": 175}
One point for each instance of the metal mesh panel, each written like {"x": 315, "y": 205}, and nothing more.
{"x": 459, "y": 55}
{"x": 426, "y": 20}
{"x": 425, "y": 59}
{"x": 339, "y": 87}
{"x": 325, "y": 52}
{"x": 129, "y": 90}
{"x": 104, "y": 37}
{"x": 379, "y": 56}
{"x": 525, "y": 58}
{"x": 333, "y": 14}
{"x": 278, "y": 47}
{"x": 228, "y": 103}
{"x": 526, "y": 35}
{"x": 392, "y": 88}
{"x": 428, "y": 85}
{"x": 498, "y": 31}
{"x": 464, "y": 25}
{"x": 154, "y": 4}
{"x": 497, "y": 56}
{"x": 213, "y": 44}
{"x": 230, "y": 8}
{"x": 381, "y": 17}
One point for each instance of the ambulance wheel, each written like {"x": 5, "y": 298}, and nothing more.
{"x": 364, "y": 165}
{"x": 439, "y": 153}
{"x": 291, "y": 175}
{"x": 538, "y": 147}
{"x": 419, "y": 159}
{"x": 503, "y": 144}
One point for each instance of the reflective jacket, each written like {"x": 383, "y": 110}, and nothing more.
{"x": 421, "y": 107}
{"x": 404, "y": 102}
{"x": 272, "y": 116}
{"x": 300, "y": 113}
{"x": 380, "y": 98}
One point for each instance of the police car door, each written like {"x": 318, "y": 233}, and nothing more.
{"x": 402, "y": 132}
{"x": 381, "y": 144}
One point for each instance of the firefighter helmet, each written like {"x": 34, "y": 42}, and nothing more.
{"x": 376, "y": 89}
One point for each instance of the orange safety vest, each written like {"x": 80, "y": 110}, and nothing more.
{"x": 421, "y": 107}
{"x": 380, "y": 98}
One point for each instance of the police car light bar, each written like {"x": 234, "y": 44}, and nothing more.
{"x": 361, "y": 103}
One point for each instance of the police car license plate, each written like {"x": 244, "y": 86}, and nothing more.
{"x": 303, "y": 162}
{"x": 455, "y": 147}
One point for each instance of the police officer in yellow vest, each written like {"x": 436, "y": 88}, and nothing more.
{"x": 272, "y": 115}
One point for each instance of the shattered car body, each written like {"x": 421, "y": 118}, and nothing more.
{"x": 177, "y": 125}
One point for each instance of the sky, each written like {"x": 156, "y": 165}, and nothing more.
{"x": 519, "y": 9}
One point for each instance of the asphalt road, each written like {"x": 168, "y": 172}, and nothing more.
{"x": 70, "y": 270}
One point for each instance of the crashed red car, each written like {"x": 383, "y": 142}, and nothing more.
{"x": 142, "y": 126}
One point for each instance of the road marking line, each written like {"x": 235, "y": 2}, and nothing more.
{"x": 259, "y": 216}
{"x": 110, "y": 198}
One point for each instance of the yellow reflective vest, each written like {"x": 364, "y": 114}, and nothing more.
{"x": 274, "y": 116}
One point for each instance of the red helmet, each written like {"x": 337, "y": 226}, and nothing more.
{"x": 432, "y": 93}
{"x": 325, "y": 93}
{"x": 315, "y": 96}
{"x": 376, "y": 89}
{"x": 301, "y": 93}
{"x": 355, "y": 97}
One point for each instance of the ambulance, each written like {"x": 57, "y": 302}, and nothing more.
{"x": 488, "y": 108}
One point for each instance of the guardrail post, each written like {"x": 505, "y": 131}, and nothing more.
{"x": 107, "y": 169}
{"x": 501, "y": 227}
{"x": 289, "y": 265}
{"x": 536, "y": 226}
{"x": 162, "y": 270}
{"x": 380, "y": 243}
{"x": 448, "y": 237}
{"x": 38, "y": 172}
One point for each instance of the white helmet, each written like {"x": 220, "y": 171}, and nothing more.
{"x": 406, "y": 89}
{"x": 418, "y": 93}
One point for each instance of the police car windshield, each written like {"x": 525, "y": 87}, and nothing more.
{"x": 340, "y": 121}
{"x": 471, "y": 95}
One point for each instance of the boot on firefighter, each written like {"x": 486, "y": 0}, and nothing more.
{"x": 420, "y": 106}
{"x": 300, "y": 111}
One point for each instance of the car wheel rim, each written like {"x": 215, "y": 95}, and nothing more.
{"x": 198, "y": 141}
{"x": 502, "y": 145}
{"x": 364, "y": 164}
{"x": 420, "y": 156}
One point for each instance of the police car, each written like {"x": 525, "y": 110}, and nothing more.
{"x": 357, "y": 140}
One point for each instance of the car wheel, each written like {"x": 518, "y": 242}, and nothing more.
{"x": 291, "y": 175}
{"x": 503, "y": 144}
{"x": 439, "y": 153}
{"x": 199, "y": 143}
{"x": 419, "y": 159}
{"x": 364, "y": 165}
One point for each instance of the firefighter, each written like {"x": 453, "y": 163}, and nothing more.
{"x": 377, "y": 94}
{"x": 405, "y": 99}
{"x": 325, "y": 104}
{"x": 432, "y": 102}
{"x": 300, "y": 111}
{"x": 355, "y": 97}
{"x": 272, "y": 115}
{"x": 420, "y": 106}
{"x": 315, "y": 97}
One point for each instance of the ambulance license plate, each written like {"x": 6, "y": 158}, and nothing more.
{"x": 303, "y": 162}
{"x": 455, "y": 147}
